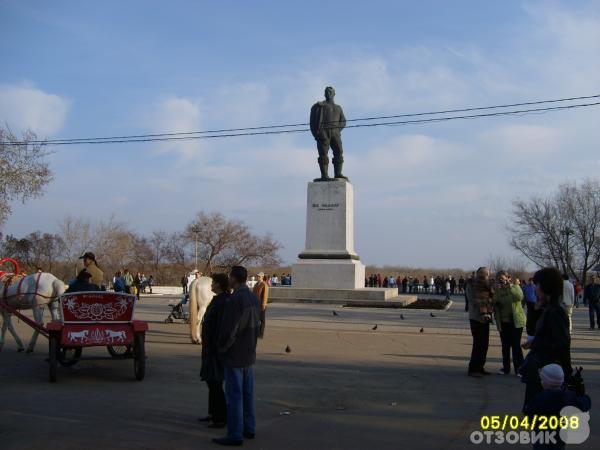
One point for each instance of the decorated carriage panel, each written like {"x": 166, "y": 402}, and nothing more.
{"x": 97, "y": 307}
{"x": 88, "y": 335}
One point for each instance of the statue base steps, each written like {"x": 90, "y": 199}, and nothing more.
{"x": 367, "y": 297}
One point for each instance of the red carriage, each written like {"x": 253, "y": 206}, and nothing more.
{"x": 90, "y": 319}
{"x": 94, "y": 319}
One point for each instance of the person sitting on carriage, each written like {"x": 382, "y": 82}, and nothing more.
{"x": 89, "y": 261}
{"x": 82, "y": 283}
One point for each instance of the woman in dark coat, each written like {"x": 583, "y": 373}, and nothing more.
{"x": 552, "y": 340}
{"x": 212, "y": 370}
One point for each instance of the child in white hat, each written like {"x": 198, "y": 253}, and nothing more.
{"x": 553, "y": 399}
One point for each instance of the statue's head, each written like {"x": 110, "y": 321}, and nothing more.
{"x": 329, "y": 93}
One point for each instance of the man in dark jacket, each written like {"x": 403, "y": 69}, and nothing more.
{"x": 82, "y": 283}
{"x": 591, "y": 295}
{"x": 552, "y": 340}
{"x": 478, "y": 295}
{"x": 237, "y": 350}
{"x": 184, "y": 284}
{"x": 212, "y": 369}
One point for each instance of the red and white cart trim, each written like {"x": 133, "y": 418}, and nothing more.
{"x": 92, "y": 319}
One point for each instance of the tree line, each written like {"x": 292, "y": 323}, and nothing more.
{"x": 219, "y": 243}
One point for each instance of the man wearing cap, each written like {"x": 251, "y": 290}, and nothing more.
{"x": 82, "y": 283}
{"x": 261, "y": 290}
{"x": 91, "y": 266}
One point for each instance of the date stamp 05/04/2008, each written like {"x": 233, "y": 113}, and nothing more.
{"x": 570, "y": 427}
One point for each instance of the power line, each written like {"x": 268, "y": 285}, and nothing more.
{"x": 254, "y": 131}
{"x": 293, "y": 125}
{"x": 229, "y": 130}
{"x": 448, "y": 111}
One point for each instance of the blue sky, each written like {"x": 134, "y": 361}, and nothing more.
{"x": 429, "y": 195}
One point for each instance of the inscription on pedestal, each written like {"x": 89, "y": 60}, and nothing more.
{"x": 325, "y": 206}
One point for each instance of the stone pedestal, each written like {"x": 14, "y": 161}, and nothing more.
{"x": 329, "y": 260}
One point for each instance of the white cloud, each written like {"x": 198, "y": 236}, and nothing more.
{"x": 177, "y": 115}
{"x": 568, "y": 44}
{"x": 242, "y": 104}
{"x": 522, "y": 142}
{"x": 22, "y": 107}
{"x": 413, "y": 78}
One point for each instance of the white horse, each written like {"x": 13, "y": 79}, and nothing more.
{"x": 33, "y": 292}
{"x": 200, "y": 297}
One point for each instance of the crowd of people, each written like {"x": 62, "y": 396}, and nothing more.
{"x": 406, "y": 284}
{"x": 282, "y": 280}
{"x": 272, "y": 280}
{"x": 125, "y": 281}
{"x": 546, "y": 370}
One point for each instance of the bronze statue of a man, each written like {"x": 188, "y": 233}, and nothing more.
{"x": 326, "y": 123}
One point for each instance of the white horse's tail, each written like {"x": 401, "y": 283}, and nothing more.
{"x": 200, "y": 297}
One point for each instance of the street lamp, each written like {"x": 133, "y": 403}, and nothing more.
{"x": 567, "y": 232}
{"x": 196, "y": 229}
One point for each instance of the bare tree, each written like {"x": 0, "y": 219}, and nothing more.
{"x": 76, "y": 235}
{"x": 114, "y": 244}
{"x": 35, "y": 250}
{"x": 141, "y": 254}
{"x": 175, "y": 249}
{"x": 24, "y": 169}
{"x": 514, "y": 265}
{"x": 562, "y": 230}
{"x": 158, "y": 244}
{"x": 45, "y": 250}
{"x": 225, "y": 242}
{"x": 18, "y": 249}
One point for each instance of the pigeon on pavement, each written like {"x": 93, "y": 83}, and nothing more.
{"x": 334, "y": 313}
{"x": 288, "y": 349}
{"x": 375, "y": 327}
{"x": 421, "y": 330}
{"x": 432, "y": 314}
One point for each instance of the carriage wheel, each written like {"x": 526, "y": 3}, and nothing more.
{"x": 139, "y": 360}
{"x": 68, "y": 356}
{"x": 119, "y": 351}
{"x": 54, "y": 347}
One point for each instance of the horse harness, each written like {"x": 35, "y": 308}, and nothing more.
{"x": 8, "y": 281}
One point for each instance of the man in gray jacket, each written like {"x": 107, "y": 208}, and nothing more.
{"x": 237, "y": 350}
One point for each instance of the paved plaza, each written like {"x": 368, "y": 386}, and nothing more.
{"x": 343, "y": 386}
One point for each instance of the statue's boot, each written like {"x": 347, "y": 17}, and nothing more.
{"x": 337, "y": 168}
{"x": 324, "y": 168}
